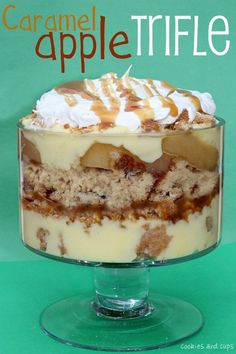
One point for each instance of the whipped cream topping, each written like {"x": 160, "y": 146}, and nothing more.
{"x": 111, "y": 101}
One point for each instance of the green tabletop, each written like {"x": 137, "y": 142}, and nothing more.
{"x": 28, "y": 286}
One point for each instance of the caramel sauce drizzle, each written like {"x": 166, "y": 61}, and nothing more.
{"x": 91, "y": 86}
{"x": 167, "y": 102}
{"x": 71, "y": 87}
{"x": 148, "y": 91}
{"x": 168, "y": 86}
{"x": 151, "y": 83}
{"x": 141, "y": 107}
{"x": 145, "y": 86}
{"x": 75, "y": 87}
{"x": 145, "y": 113}
{"x": 194, "y": 99}
{"x": 70, "y": 99}
{"x": 127, "y": 92}
{"x": 106, "y": 115}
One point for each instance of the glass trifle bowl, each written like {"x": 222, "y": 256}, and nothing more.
{"x": 121, "y": 174}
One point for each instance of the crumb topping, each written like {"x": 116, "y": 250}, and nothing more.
{"x": 153, "y": 242}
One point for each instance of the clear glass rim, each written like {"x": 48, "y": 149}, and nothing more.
{"x": 20, "y": 126}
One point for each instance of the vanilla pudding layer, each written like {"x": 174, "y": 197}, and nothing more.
{"x": 110, "y": 241}
{"x": 51, "y": 145}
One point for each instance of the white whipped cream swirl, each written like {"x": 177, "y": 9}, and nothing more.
{"x": 125, "y": 101}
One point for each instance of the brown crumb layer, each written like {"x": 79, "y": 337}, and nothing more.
{"x": 91, "y": 194}
{"x": 88, "y": 215}
{"x": 42, "y": 234}
{"x": 149, "y": 125}
{"x": 114, "y": 189}
{"x": 153, "y": 242}
{"x": 200, "y": 121}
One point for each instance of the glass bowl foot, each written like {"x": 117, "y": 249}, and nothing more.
{"x": 74, "y": 321}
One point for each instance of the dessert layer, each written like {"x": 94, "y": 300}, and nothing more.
{"x": 139, "y": 105}
{"x": 110, "y": 241}
{"x": 49, "y": 147}
{"x": 91, "y": 194}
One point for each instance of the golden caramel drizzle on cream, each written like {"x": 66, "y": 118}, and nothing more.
{"x": 145, "y": 86}
{"x": 75, "y": 86}
{"x": 194, "y": 99}
{"x": 167, "y": 102}
{"x": 107, "y": 115}
{"x": 91, "y": 86}
{"x": 125, "y": 101}
{"x": 148, "y": 91}
{"x": 151, "y": 83}
{"x": 145, "y": 114}
{"x": 167, "y": 85}
{"x": 70, "y": 99}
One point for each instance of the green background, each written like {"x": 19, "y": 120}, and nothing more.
{"x": 24, "y": 77}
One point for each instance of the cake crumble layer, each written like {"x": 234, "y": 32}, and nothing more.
{"x": 90, "y": 193}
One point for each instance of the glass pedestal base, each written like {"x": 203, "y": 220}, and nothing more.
{"x": 78, "y": 322}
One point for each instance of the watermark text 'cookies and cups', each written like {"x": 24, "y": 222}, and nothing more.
{"x": 208, "y": 347}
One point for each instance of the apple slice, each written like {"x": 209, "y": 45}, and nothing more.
{"x": 189, "y": 147}
{"x": 160, "y": 165}
{"x": 108, "y": 157}
{"x": 101, "y": 156}
{"x": 30, "y": 150}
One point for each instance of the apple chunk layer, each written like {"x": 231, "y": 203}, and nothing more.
{"x": 187, "y": 147}
{"x": 109, "y": 157}
{"x": 190, "y": 148}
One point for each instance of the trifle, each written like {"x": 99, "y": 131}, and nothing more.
{"x": 121, "y": 170}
